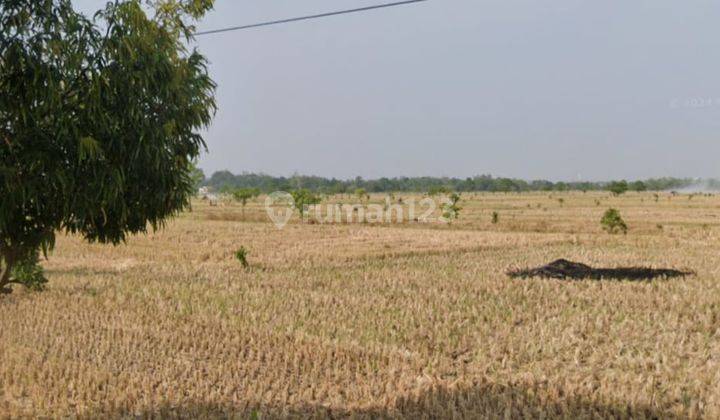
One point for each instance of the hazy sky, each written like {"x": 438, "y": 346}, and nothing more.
{"x": 522, "y": 88}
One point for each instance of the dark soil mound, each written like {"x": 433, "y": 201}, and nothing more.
{"x": 564, "y": 269}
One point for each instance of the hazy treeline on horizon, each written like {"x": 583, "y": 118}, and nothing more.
{"x": 482, "y": 183}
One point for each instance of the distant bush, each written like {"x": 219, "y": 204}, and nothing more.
{"x": 618, "y": 187}
{"x": 612, "y": 222}
{"x": 495, "y": 218}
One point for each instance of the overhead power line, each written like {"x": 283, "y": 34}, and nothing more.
{"x": 321, "y": 15}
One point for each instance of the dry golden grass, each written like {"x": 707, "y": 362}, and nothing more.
{"x": 364, "y": 321}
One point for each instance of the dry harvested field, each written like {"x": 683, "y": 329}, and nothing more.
{"x": 406, "y": 320}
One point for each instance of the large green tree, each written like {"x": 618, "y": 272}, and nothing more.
{"x": 99, "y": 121}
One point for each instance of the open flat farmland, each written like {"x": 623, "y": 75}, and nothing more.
{"x": 368, "y": 320}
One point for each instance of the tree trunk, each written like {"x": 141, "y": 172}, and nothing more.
{"x": 5, "y": 280}
{"x": 8, "y": 263}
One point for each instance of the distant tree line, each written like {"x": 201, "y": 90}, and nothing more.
{"x": 227, "y": 181}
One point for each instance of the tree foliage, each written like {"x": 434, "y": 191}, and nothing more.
{"x": 638, "y": 186}
{"x": 618, "y": 187}
{"x": 436, "y": 190}
{"x": 99, "y": 120}
{"x": 197, "y": 175}
{"x": 304, "y": 198}
{"x": 243, "y": 195}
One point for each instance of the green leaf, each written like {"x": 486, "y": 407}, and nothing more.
{"x": 89, "y": 148}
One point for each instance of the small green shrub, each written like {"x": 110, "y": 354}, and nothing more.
{"x": 362, "y": 195}
{"x": 612, "y": 222}
{"x": 241, "y": 255}
{"x": 451, "y": 209}
{"x": 30, "y": 274}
